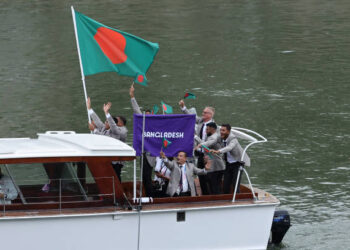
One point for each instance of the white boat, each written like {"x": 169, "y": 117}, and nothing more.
{"x": 72, "y": 199}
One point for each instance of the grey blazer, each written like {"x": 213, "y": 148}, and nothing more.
{"x": 115, "y": 131}
{"x": 212, "y": 142}
{"x": 234, "y": 148}
{"x": 136, "y": 108}
{"x": 176, "y": 175}
{"x": 8, "y": 188}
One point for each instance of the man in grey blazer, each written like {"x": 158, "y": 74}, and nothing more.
{"x": 135, "y": 106}
{"x": 200, "y": 130}
{"x": 207, "y": 116}
{"x": 232, "y": 151}
{"x": 181, "y": 178}
{"x": 113, "y": 127}
{"x": 149, "y": 161}
{"x": 217, "y": 169}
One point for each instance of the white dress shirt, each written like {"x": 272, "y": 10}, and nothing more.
{"x": 161, "y": 168}
{"x": 185, "y": 187}
{"x": 230, "y": 158}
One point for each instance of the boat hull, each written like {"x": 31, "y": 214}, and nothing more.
{"x": 214, "y": 227}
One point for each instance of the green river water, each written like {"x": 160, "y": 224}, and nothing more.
{"x": 280, "y": 68}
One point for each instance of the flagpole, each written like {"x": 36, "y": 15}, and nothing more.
{"x": 81, "y": 65}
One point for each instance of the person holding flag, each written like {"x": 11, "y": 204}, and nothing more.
{"x": 201, "y": 124}
{"x": 181, "y": 181}
{"x": 162, "y": 173}
{"x": 135, "y": 106}
{"x": 113, "y": 127}
{"x": 105, "y": 49}
{"x": 148, "y": 161}
{"x": 212, "y": 142}
{"x": 232, "y": 151}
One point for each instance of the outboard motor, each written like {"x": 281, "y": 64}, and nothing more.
{"x": 280, "y": 226}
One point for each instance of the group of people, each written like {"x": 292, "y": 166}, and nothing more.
{"x": 217, "y": 153}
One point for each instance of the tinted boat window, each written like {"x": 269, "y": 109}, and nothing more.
{"x": 45, "y": 182}
{"x": 27, "y": 174}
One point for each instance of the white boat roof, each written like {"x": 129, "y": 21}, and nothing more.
{"x": 63, "y": 144}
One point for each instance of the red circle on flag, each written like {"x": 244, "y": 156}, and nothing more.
{"x": 140, "y": 78}
{"x": 112, "y": 44}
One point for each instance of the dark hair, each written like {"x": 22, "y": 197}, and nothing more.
{"x": 227, "y": 126}
{"x": 182, "y": 152}
{"x": 212, "y": 125}
{"x": 123, "y": 119}
{"x": 115, "y": 118}
{"x": 148, "y": 110}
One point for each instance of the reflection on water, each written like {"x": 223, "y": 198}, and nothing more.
{"x": 280, "y": 68}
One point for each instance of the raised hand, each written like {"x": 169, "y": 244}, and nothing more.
{"x": 198, "y": 147}
{"x": 132, "y": 91}
{"x": 88, "y": 103}
{"x": 106, "y": 107}
{"x": 208, "y": 163}
{"x": 182, "y": 103}
{"x": 162, "y": 155}
{"x": 92, "y": 126}
{"x": 214, "y": 151}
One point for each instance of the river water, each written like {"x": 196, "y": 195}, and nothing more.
{"x": 280, "y": 68}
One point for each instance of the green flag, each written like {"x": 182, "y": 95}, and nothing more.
{"x": 104, "y": 49}
{"x": 167, "y": 108}
{"x": 155, "y": 109}
{"x": 189, "y": 95}
{"x": 207, "y": 150}
{"x": 166, "y": 143}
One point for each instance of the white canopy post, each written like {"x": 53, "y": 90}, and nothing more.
{"x": 81, "y": 65}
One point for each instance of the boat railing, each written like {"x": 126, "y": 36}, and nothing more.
{"x": 253, "y": 138}
{"x": 59, "y": 192}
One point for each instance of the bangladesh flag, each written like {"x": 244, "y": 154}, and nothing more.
{"x": 167, "y": 108}
{"x": 189, "y": 95}
{"x": 207, "y": 150}
{"x": 104, "y": 49}
{"x": 166, "y": 143}
{"x": 155, "y": 109}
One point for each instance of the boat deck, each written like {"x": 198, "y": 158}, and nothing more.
{"x": 160, "y": 204}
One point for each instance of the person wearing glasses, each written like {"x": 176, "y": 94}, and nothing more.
{"x": 201, "y": 135}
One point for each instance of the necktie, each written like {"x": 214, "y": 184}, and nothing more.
{"x": 225, "y": 154}
{"x": 201, "y": 132}
{"x": 181, "y": 184}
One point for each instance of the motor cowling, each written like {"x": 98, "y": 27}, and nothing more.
{"x": 280, "y": 226}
